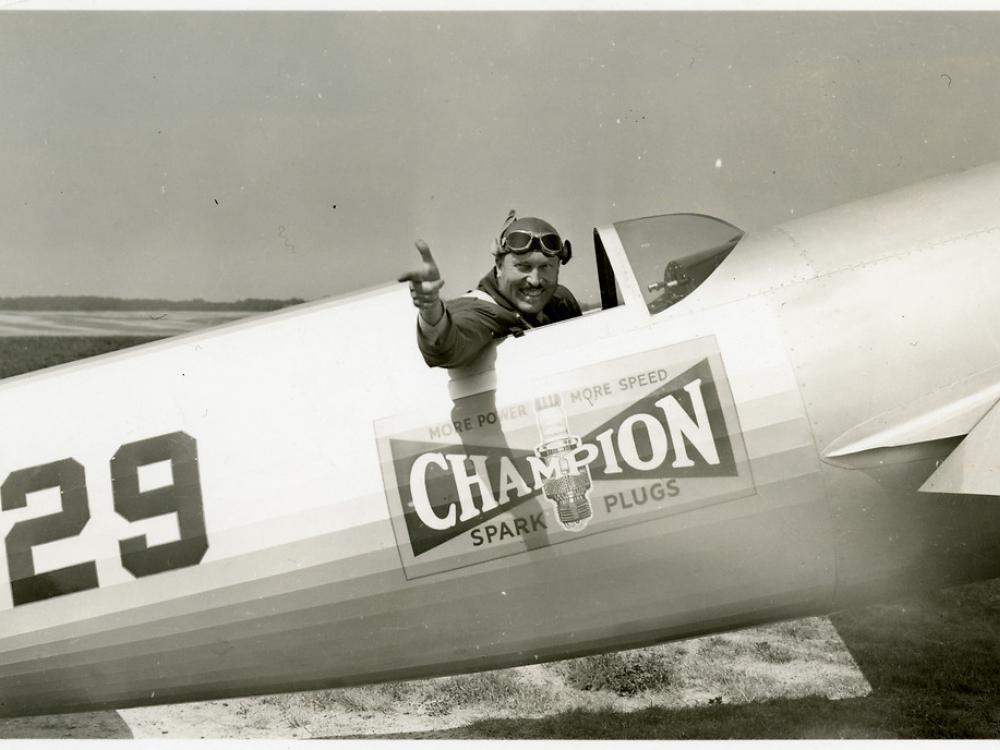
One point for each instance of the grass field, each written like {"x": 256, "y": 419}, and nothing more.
{"x": 924, "y": 667}
{"x": 21, "y": 354}
{"x": 933, "y": 663}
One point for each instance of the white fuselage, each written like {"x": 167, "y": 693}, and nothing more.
{"x": 329, "y": 552}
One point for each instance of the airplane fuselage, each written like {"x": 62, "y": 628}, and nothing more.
{"x": 275, "y": 505}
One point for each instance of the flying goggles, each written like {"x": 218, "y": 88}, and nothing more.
{"x": 520, "y": 240}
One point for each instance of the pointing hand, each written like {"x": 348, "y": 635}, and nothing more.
{"x": 425, "y": 284}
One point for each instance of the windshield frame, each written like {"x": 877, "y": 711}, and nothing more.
{"x": 631, "y": 293}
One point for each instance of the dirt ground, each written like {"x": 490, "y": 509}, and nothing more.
{"x": 805, "y": 657}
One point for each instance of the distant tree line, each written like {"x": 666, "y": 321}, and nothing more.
{"x": 94, "y": 303}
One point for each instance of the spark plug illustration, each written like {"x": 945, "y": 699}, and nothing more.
{"x": 568, "y": 485}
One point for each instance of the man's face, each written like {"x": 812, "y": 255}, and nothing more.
{"x": 528, "y": 280}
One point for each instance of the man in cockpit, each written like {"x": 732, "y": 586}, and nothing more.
{"x": 520, "y": 292}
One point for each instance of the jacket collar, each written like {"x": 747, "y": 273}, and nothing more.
{"x": 488, "y": 284}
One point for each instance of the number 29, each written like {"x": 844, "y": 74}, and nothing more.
{"x": 182, "y": 497}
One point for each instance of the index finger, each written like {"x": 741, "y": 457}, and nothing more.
{"x": 425, "y": 254}
{"x": 425, "y": 251}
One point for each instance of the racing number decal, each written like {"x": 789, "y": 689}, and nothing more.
{"x": 26, "y": 585}
{"x": 182, "y": 497}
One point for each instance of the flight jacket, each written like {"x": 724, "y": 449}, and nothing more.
{"x": 474, "y": 320}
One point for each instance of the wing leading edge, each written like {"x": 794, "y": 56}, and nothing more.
{"x": 969, "y": 408}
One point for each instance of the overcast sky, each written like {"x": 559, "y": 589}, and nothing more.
{"x": 226, "y": 155}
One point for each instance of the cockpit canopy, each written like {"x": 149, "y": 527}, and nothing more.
{"x": 671, "y": 255}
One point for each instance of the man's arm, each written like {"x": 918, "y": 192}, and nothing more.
{"x": 433, "y": 332}
{"x": 468, "y": 326}
{"x": 450, "y": 336}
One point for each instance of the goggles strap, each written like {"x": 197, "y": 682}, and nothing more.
{"x": 498, "y": 242}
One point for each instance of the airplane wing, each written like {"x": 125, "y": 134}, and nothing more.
{"x": 950, "y": 411}
{"x": 968, "y": 409}
{"x": 973, "y": 468}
